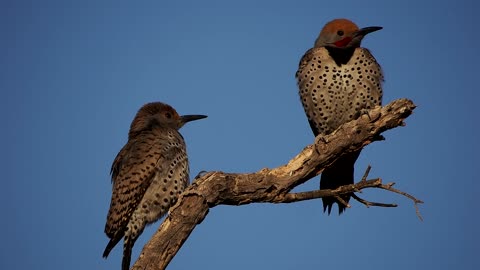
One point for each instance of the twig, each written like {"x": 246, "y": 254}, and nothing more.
{"x": 416, "y": 201}
{"x": 365, "y": 175}
{"x": 369, "y": 203}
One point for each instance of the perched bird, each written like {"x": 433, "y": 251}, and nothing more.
{"x": 148, "y": 174}
{"x": 338, "y": 81}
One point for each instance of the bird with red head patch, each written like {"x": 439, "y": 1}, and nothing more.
{"x": 338, "y": 81}
{"x": 148, "y": 174}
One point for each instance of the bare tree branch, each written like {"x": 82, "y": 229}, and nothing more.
{"x": 274, "y": 185}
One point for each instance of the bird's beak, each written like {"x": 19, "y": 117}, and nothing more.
{"x": 367, "y": 30}
{"x": 188, "y": 118}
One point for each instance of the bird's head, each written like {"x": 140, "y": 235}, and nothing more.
{"x": 159, "y": 114}
{"x": 343, "y": 34}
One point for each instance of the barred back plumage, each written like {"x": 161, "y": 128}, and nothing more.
{"x": 148, "y": 175}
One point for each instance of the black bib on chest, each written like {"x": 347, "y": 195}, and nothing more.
{"x": 340, "y": 56}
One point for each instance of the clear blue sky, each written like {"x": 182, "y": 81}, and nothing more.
{"x": 74, "y": 74}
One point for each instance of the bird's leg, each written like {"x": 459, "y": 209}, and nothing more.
{"x": 199, "y": 175}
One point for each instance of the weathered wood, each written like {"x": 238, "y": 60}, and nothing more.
{"x": 272, "y": 185}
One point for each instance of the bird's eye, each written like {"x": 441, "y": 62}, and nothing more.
{"x": 168, "y": 115}
{"x": 340, "y": 33}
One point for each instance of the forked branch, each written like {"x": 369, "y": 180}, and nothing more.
{"x": 274, "y": 185}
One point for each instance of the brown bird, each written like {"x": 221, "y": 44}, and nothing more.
{"x": 148, "y": 174}
{"x": 338, "y": 81}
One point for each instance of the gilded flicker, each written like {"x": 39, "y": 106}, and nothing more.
{"x": 338, "y": 81}
{"x": 148, "y": 174}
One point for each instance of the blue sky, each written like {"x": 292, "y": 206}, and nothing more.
{"x": 73, "y": 75}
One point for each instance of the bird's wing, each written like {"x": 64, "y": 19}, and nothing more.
{"x": 306, "y": 58}
{"x": 375, "y": 77}
{"x": 308, "y": 69}
{"x": 132, "y": 173}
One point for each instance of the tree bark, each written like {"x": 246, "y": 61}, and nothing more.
{"x": 273, "y": 185}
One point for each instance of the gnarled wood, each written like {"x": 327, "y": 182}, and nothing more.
{"x": 272, "y": 185}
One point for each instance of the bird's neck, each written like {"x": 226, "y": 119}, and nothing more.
{"x": 341, "y": 56}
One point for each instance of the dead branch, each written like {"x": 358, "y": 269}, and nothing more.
{"x": 274, "y": 185}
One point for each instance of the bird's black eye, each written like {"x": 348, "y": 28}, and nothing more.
{"x": 340, "y": 32}
{"x": 168, "y": 115}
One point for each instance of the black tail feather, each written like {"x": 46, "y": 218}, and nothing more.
{"x": 127, "y": 254}
{"x": 111, "y": 244}
{"x": 339, "y": 174}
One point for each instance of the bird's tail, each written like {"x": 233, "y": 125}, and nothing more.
{"x": 111, "y": 244}
{"x": 339, "y": 174}
{"x": 127, "y": 253}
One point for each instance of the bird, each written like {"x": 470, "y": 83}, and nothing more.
{"x": 148, "y": 174}
{"x": 338, "y": 81}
